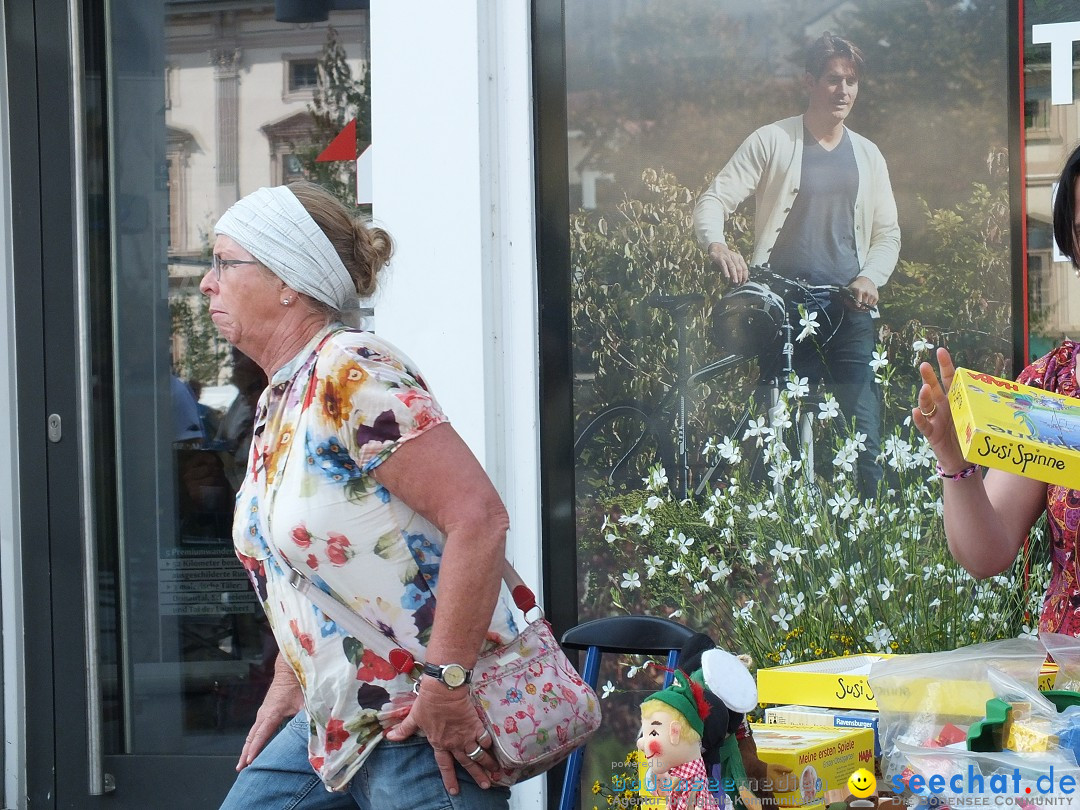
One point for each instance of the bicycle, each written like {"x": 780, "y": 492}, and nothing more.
{"x": 754, "y": 321}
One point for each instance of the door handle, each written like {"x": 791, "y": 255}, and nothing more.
{"x": 99, "y": 781}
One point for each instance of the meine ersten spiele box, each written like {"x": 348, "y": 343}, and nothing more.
{"x": 1017, "y": 428}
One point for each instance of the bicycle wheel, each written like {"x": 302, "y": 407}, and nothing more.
{"x": 731, "y": 391}
{"x": 617, "y": 448}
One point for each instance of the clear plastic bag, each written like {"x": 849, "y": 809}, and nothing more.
{"x": 929, "y": 700}
{"x": 1065, "y": 650}
{"x": 960, "y": 778}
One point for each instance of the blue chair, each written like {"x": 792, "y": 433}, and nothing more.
{"x": 627, "y": 635}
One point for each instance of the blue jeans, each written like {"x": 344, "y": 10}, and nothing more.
{"x": 396, "y": 776}
{"x": 843, "y": 364}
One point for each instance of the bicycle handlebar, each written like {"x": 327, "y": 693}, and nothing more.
{"x": 768, "y": 276}
{"x": 762, "y": 275}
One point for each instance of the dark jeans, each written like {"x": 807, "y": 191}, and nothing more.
{"x": 843, "y": 365}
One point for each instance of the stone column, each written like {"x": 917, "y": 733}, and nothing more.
{"x": 226, "y": 62}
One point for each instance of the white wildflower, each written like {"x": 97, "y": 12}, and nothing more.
{"x": 880, "y": 637}
{"x": 756, "y": 429}
{"x": 798, "y": 387}
{"x": 828, "y": 409}
{"x": 656, "y": 479}
{"x": 729, "y": 451}
{"x": 720, "y": 571}
{"x": 921, "y": 345}
{"x": 781, "y": 552}
{"x": 798, "y": 604}
{"x": 809, "y": 323}
{"x": 782, "y": 617}
{"x": 886, "y": 589}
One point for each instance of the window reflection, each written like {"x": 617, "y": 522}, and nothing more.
{"x": 210, "y": 101}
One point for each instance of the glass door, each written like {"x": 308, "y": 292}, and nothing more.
{"x": 180, "y": 108}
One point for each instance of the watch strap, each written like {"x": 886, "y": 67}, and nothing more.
{"x": 436, "y": 671}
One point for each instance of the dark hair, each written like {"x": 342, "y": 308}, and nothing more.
{"x": 363, "y": 249}
{"x": 828, "y": 47}
{"x": 1065, "y": 208}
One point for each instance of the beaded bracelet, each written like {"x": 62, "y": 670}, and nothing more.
{"x": 967, "y": 472}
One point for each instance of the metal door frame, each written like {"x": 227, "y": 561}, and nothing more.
{"x": 46, "y": 708}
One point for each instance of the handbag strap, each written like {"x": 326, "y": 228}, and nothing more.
{"x": 330, "y": 604}
{"x": 356, "y": 625}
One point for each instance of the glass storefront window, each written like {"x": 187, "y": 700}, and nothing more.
{"x": 208, "y": 102}
{"x": 745, "y": 462}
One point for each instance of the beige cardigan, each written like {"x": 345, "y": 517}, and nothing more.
{"x": 768, "y": 165}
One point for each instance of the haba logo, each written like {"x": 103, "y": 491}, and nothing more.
{"x": 865, "y": 756}
{"x": 862, "y": 783}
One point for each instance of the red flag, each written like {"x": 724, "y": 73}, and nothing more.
{"x": 343, "y": 147}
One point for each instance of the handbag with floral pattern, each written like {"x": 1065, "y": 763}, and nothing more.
{"x": 536, "y": 706}
{"x": 528, "y": 695}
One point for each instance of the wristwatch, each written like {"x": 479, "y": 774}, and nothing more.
{"x": 453, "y": 675}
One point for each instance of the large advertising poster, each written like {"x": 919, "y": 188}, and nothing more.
{"x": 778, "y": 210}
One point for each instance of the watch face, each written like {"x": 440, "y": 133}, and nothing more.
{"x": 453, "y": 675}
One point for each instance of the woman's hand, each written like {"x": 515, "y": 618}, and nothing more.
{"x": 284, "y": 699}
{"x": 933, "y": 417}
{"x": 449, "y": 720}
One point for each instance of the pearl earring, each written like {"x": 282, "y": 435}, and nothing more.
{"x": 286, "y": 301}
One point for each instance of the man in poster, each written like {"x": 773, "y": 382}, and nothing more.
{"x": 825, "y": 214}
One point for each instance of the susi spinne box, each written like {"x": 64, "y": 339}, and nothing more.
{"x": 1017, "y": 428}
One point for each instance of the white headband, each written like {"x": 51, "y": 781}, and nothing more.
{"x": 276, "y": 229}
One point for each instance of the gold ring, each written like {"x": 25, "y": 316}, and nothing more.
{"x": 475, "y": 755}
{"x": 930, "y": 412}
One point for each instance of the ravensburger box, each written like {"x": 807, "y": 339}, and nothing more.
{"x": 821, "y": 760}
{"x": 1017, "y": 428}
{"x": 820, "y": 716}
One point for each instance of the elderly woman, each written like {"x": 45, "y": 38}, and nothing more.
{"x": 356, "y": 480}
{"x": 988, "y": 518}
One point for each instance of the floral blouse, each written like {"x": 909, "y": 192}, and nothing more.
{"x": 341, "y": 407}
{"x": 1056, "y": 372}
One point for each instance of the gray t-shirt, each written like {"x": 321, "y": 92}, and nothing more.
{"x": 817, "y": 242}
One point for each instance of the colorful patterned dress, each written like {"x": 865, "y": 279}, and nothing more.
{"x": 1056, "y": 372}
{"x": 341, "y": 407}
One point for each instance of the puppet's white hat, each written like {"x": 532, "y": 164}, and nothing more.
{"x": 728, "y": 678}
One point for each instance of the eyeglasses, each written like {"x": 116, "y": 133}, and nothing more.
{"x": 217, "y": 264}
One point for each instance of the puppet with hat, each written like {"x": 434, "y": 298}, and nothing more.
{"x": 696, "y": 726}
{"x": 672, "y": 725}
